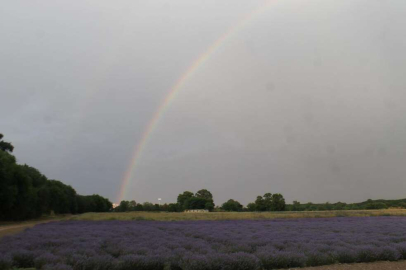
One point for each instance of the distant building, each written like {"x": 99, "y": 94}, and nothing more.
{"x": 197, "y": 211}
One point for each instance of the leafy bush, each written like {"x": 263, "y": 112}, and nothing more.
{"x": 5, "y": 262}
{"x": 46, "y": 258}
{"x": 281, "y": 259}
{"x": 23, "y": 259}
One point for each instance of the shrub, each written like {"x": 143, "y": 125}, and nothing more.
{"x": 131, "y": 262}
{"x": 46, "y": 258}
{"x": 58, "y": 266}
{"x": 23, "y": 259}
{"x": 281, "y": 259}
{"x": 388, "y": 254}
{"x": 345, "y": 255}
{"x": 5, "y": 262}
{"x": 367, "y": 254}
{"x": 402, "y": 250}
{"x": 209, "y": 245}
{"x": 319, "y": 258}
{"x": 235, "y": 261}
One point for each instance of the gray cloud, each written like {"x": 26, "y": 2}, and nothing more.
{"x": 307, "y": 99}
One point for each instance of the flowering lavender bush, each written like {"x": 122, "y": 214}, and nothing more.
{"x": 217, "y": 245}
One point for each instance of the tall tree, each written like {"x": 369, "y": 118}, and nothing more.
{"x": 5, "y": 146}
{"x": 252, "y": 207}
{"x": 183, "y": 198}
{"x": 204, "y": 194}
{"x": 278, "y": 202}
{"x": 232, "y": 205}
{"x": 260, "y": 204}
{"x": 268, "y": 201}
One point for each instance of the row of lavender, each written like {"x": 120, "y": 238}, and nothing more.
{"x": 261, "y": 244}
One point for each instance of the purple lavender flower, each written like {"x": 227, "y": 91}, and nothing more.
{"x": 212, "y": 245}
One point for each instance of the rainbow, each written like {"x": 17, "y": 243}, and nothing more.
{"x": 140, "y": 147}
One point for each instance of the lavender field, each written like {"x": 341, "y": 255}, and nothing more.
{"x": 240, "y": 244}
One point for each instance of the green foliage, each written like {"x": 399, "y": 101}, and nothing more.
{"x": 5, "y": 146}
{"x": 367, "y": 205}
{"x": 195, "y": 203}
{"x": 174, "y": 207}
{"x": 232, "y": 206}
{"x": 295, "y": 206}
{"x": 124, "y": 206}
{"x": 183, "y": 198}
{"x": 277, "y": 202}
{"x": 268, "y": 202}
{"x": 376, "y": 205}
{"x": 26, "y": 193}
{"x": 260, "y": 204}
{"x": 93, "y": 203}
{"x": 251, "y": 207}
{"x": 147, "y": 206}
{"x": 203, "y": 199}
{"x": 204, "y": 194}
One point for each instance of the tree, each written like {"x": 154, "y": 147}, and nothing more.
{"x": 232, "y": 205}
{"x": 296, "y": 206}
{"x": 251, "y": 207}
{"x": 260, "y": 204}
{"x": 209, "y": 205}
{"x": 5, "y": 146}
{"x": 204, "y": 194}
{"x": 164, "y": 207}
{"x": 174, "y": 207}
{"x": 26, "y": 193}
{"x": 147, "y": 206}
{"x": 139, "y": 207}
{"x": 196, "y": 203}
{"x": 278, "y": 202}
{"x": 93, "y": 203}
{"x": 268, "y": 201}
{"x": 132, "y": 204}
{"x": 182, "y": 199}
{"x": 376, "y": 205}
{"x": 124, "y": 206}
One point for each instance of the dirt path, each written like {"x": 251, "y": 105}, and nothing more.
{"x": 362, "y": 266}
{"x": 13, "y": 228}
{"x": 6, "y": 228}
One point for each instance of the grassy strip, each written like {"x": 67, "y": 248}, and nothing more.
{"x": 163, "y": 216}
{"x": 10, "y": 228}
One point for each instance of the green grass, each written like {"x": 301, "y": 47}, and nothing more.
{"x": 163, "y": 216}
{"x": 10, "y": 228}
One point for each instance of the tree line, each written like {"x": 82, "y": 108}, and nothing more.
{"x": 366, "y": 205}
{"x": 26, "y": 193}
{"x": 203, "y": 199}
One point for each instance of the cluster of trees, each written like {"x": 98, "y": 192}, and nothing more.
{"x": 26, "y": 193}
{"x": 268, "y": 202}
{"x": 367, "y": 205}
{"x": 126, "y": 206}
{"x": 232, "y": 206}
{"x": 203, "y": 199}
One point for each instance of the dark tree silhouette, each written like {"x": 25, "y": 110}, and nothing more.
{"x": 5, "y": 146}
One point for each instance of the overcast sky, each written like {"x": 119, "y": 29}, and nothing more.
{"x": 307, "y": 99}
